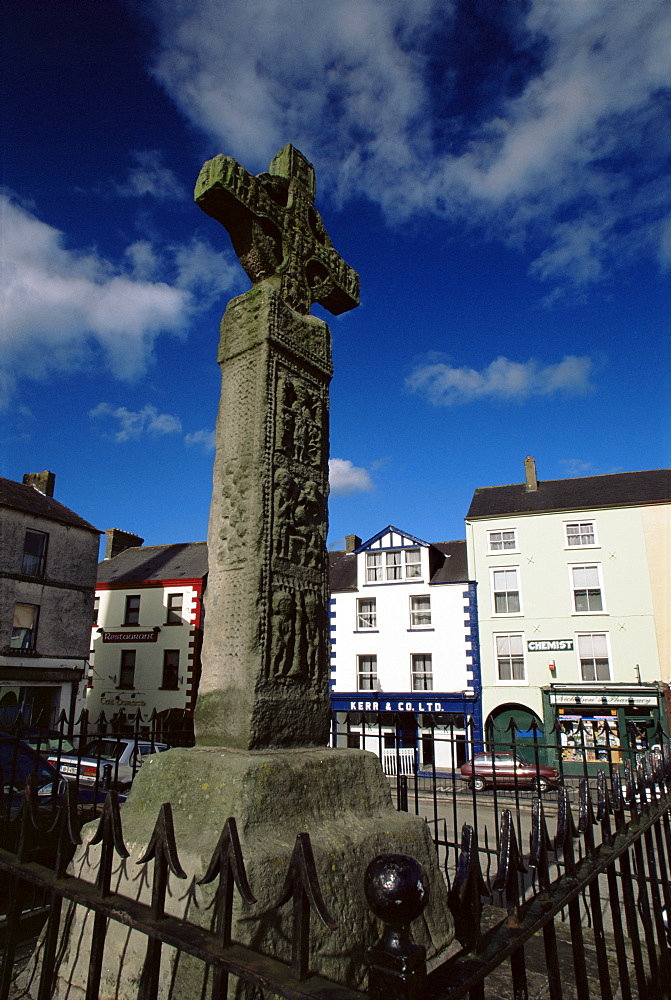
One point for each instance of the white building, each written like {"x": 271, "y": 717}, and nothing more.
{"x": 147, "y": 632}
{"x": 404, "y": 655}
{"x": 48, "y": 557}
{"x": 573, "y": 600}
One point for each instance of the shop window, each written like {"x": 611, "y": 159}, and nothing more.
{"x": 353, "y": 741}
{"x": 24, "y": 627}
{"x": 586, "y": 586}
{"x": 174, "y": 615}
{"x": 422, "y": 672}
{"x": 506, "y": 590}
{"x": 420, "y": 612}
{"x": 428, "y": 754}
{"x": 502, "y": 541}
{"x": 170, "y": 680}
{"x": 367, "y": 673}
{"x": 34, "y": 553}
{"x": 366, "y": 613}
{"x": 593, "y": 654}
{"x": 132, "y": 612}
{"x": 127, "y": 669}
{"x": 510, "y": 658}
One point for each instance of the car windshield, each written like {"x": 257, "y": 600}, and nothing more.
{"x": 105, "y": 749}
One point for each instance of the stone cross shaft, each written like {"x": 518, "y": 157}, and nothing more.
{"x": 265, "y": 656}
{"x": 276, "y": 231}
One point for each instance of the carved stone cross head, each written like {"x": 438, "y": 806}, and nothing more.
{"x": 276, "y": 231}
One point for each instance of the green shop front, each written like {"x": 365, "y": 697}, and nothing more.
{"x": 598, "y": 723}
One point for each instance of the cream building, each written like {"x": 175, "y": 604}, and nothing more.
{"x": 573, "y": 601}
{"x": 147, "y": 631}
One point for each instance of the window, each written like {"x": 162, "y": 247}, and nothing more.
{"x": 373, "y": 567}
{"x": 593, "y": 654}
{"x": 127, "y": 669}
{"x": 420, "y": 612}
{"x": 170, "y": 669}
{"x": 34, "y": 553}
{"x": 366, "y": 613}
{"x": 96, "y": 609}
{"x": 510, "y": 658}
{"x": 174, "y": 616}
{"x": 413, "y": 564}
{"x": 367, "y": 673}
{"x": 586, "y": 589}
{"x": 394, "y": 564}
{"x": 502, "y": 541}
{"x": 132, "y": 615}
{"x": 580, "y": 533}
{"x": 506, "y": 592}
{"x": 24, "y": 626}
{"x": 422, "y": 672}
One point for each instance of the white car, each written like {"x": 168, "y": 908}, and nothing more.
{"x": 123, "y": 756}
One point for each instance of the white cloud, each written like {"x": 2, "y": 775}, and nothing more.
{"x": 582, "y": 138}
{"x": 443, "y": 385}
{"x": 150, "y": 177}
{"x": 63, "y": 309}
{"x": 346, "y": 478}
{"x": 203, "y": 439}
{"x": 135, "y": 424}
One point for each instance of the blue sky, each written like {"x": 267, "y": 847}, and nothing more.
{"x": 498, "y": 173}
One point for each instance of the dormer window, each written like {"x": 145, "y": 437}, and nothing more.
{"x": 393, "y": 565}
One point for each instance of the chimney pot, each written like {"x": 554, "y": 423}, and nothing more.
{"x": 530, "y": 474}
{"x": 352, "y": 542}
{"x": 42, "y": 481}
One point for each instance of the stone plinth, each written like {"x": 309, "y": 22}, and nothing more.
{"x": 340, "y": 797}
{"x": 264, "y": 680}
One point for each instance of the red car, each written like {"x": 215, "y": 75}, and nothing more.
{"x": 505, "y": 770}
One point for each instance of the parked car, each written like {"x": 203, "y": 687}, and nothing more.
{"x": 18, "y": 760}
{"x": 124, "y": 756}
{"x": 47, "y": 740}
{"x": 506, "y": 770}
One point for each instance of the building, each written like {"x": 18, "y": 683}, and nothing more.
{"x": 574, "y": 612}
{"x": 147, "y": 631}
{"x": 48, "y": 558}
{"x": 404, "y": 650}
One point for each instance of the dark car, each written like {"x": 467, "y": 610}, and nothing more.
{"x": 506, "y": 770}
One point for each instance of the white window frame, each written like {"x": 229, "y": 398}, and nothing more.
{"x": 412, "y": 564}
{"x": 370, "y": 674}
{"x": 421, "y": 680}
{"x": 506, "y": 569}
{"x": 504, "y": 548}
{"x": 417, "y": 613}
{"x": 366, "y": 621}
{"x": 395, "y": 565}
{"x": 512, "y": 682}
{"x": 374, "y": 567}
{"x": 586, "y": 566}
{"x": 591, "y": 635}
{"x": 580, "y": 524}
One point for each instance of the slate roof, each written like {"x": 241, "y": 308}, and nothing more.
{"x": 32, "y": 501}
{"x": 447, "y": 560}
{"x": 142, "y": 563}
{"x": 620, "y": 489}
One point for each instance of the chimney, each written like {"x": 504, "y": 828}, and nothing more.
{"x": 530, "y": 474}
{"x": 352, "y": 542}
{"x": 117, "y": 540}
{"x": 42, "y": 481}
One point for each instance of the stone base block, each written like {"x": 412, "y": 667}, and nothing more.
{"x": 340, "y": 797}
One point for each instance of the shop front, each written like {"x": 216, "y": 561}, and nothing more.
{"x": 436, "y": 732}
{"x": 601, "y": 723}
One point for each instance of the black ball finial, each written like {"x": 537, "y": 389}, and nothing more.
{"x": 396, "y": 888}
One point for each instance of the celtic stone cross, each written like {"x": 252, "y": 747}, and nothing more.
{"x": 276, "y": 231}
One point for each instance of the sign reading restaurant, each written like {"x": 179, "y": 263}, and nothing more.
{"x": 147, "y": 635}
{"x": 549, "y": 645}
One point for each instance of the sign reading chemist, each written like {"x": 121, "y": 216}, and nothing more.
{"x": 549, "y": 645}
